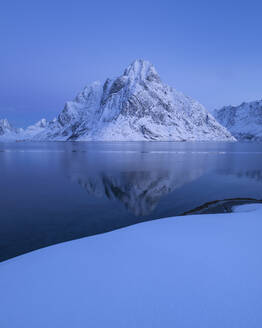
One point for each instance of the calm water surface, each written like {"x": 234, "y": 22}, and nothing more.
{"x": 54, "y": 192}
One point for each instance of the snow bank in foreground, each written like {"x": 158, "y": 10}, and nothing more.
{"x": 246, "y": 208}
{"x": 195, "y": 271}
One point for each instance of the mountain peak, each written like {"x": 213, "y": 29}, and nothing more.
{"x": 42, "y": 123}
{"x": 141, "y": 69}
{"x": 7, "y": 129}
{"x": 4, "y": 123}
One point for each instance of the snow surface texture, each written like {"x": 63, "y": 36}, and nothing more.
{"x": 195, "y": 271}
{"x": 132, "y": 107}
{"x": 243, "y": 121}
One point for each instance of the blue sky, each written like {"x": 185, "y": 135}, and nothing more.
{"x": 210, "y": 50}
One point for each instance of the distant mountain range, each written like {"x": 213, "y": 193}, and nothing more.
{"x": 7, "y": 131}
{"x": 132, "y": 107}
{"x": 243, "y": 121}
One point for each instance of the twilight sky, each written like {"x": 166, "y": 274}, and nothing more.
{"x": 50, "y": 49}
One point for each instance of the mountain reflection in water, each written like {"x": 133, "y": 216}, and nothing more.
{"x": 54, "y": 192}
{"x": 139, "y": 190}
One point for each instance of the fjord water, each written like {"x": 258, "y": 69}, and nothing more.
{"x": 56, "y": 191}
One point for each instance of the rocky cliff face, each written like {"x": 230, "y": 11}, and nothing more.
{"x": 243, "y": 121}
{"x": 134, "y": 106}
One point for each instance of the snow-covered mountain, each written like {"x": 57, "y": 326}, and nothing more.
{"x": 133, "y": 106}
{"x": 8, "y": 132}
{"x": 31, "y": 131}
{"x": 243, "y": 121}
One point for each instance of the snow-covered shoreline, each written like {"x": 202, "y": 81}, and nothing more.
{"x": 194, "y": 271}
